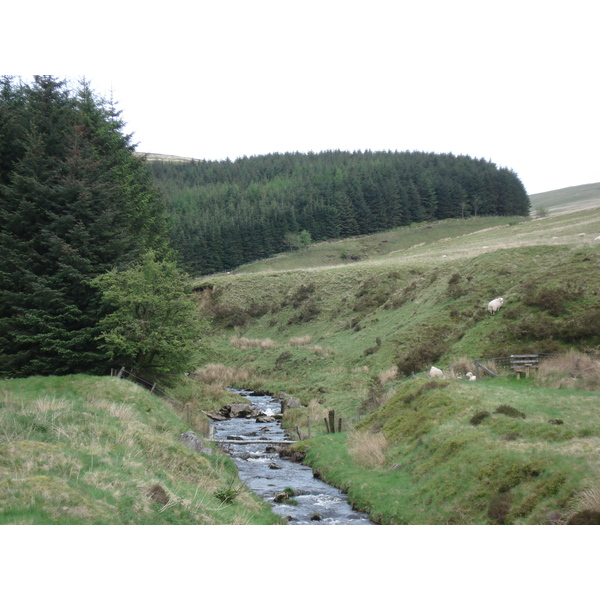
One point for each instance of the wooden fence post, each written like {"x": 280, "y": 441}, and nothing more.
{"x": 339, "y": 424}
{"x": 120, "y": 373}
{"x": 326, "y": 424}
{"x": 187, "y": 412}
{"x": 332, "y": 421}
{"x": 308, "y": 425}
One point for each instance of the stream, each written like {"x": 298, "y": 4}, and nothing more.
{"x": 314, "y": 502}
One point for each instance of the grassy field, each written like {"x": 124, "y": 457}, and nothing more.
{"x": 354, "y": 326}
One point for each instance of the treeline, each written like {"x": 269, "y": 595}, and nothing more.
{"x": 75, "y": 202}
{"x": 226, "y": 213}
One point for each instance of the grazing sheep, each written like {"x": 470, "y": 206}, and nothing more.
{"x": 435, "y": 372}
{"x": 470, "y": 376}
{"x": 494, "y": 305}
{"x": 597, "y": 239}
{"x": 582, "y": 235}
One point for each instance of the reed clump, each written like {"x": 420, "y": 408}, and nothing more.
{"x": 571, "y": 371}
{"x": 219, "y": 374}
{"x": 368, "y": 449}
{"x": 244, "y": 343}
{"x": 302, "y": 340}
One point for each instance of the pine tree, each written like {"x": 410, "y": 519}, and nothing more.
{"x": 69, "y": 210}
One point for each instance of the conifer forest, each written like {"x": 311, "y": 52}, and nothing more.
{"x": 227, "y": 213}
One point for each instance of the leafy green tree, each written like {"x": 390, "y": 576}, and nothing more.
{"x": 153, "y": 328}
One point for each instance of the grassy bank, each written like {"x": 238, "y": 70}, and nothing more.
{"x": 498, "y": 452}
{"x": 100, "y": 450}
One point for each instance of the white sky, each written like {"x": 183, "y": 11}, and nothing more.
{"x": 514, "y": 82}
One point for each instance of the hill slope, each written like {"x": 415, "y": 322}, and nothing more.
{"x": 565, "y": 200}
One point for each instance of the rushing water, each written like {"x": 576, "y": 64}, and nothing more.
{"x": 267, "y": 474}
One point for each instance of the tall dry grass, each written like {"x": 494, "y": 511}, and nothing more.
{"x": 388, "y": 375}
{"x": 244, "y": 343}
{"x": 302, "y": 340}
{"x": 368, "y": 449}
{"x": 571, "y": 371}
{"x": 221, "y": 375}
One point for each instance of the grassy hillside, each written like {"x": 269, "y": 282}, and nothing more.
{"x": 359, "y": 334}
{"x": 100, "y": 450}
{"x": 569, "y": 199}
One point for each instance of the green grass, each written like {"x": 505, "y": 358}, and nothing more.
{"x": 99, "y": 450}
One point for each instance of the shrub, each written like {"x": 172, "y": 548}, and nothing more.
{"x": 302, "y": 293}
{"x": 478, "y": 417}
{"x": 227, "y": 494}
{"x": 308, "y": 312}
{"x": 509, "y": 411}
{"x": 499, "y": 507}
{"x": 585, "y": 517}
{"x": 421, "y": 356}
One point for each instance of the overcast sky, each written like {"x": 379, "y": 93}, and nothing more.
{"x": 514, "y": 82}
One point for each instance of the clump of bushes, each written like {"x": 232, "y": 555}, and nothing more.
{"x": 308, "y": 312}
{"x": 301, "y": 294}
{"x": 433, "y": 343}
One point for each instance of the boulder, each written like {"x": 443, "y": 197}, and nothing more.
{"x": 289, "y": 402}
{"x": 192, "y": 441}
{"x": 239, "y": 411}
{"x": 265, "y": 419}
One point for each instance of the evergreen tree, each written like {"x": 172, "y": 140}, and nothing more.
{"x": 68, "y": 212}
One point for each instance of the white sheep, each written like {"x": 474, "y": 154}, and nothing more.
{"x": 470, "y": 376}
{"x": 435, "y": 372}
{"x": 597, "y": 239}
{"x": 494, "y": 305}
